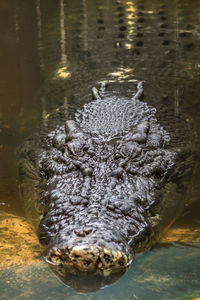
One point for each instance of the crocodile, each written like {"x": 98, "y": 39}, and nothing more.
{"x": 105, "y": 185}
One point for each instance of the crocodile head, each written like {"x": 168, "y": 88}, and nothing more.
{"x": 99, "y": 174}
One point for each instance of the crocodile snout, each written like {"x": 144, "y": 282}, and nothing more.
{"x": 88, "y": 249}
{"x": 88, "y": 258}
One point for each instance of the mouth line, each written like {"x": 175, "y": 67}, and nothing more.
{"x": 88, "y": 258}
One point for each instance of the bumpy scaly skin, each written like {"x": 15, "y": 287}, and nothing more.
{"x": 99, "y": 175}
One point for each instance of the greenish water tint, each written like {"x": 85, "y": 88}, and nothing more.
{"x": 163, "y": 273}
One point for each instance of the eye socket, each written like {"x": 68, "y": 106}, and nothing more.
{"x": 59, "y": 140}
{"x": 77, "y": 147}
{"x": 130, "y": 149}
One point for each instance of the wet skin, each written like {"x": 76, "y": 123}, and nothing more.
{"x": 103, "y": 182}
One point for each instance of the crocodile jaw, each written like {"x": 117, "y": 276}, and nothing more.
{"x": 88, "y": 258}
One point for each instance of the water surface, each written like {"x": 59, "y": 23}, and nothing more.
{"x": 52, "y": 52}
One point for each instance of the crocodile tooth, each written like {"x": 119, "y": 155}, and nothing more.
{"x": 55, "y": 260}
{"x": 107, "y": 272}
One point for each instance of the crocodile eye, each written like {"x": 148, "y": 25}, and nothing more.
{"x": 130, "y": 149}
{"x": 59, "y": 140}
{"x": 77, "y": 147}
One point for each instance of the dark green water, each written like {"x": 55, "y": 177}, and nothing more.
{"x": 52, "y": 52}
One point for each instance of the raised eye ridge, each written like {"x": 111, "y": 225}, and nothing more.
{"x": 130, "y": 149}
{"x": 76, "y": 146}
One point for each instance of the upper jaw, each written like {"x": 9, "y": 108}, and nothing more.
{"x": 88, "y": 258}
{"x": 101, "y": 249}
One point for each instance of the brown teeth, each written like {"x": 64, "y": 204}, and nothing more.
{"x": 89, "y": 258}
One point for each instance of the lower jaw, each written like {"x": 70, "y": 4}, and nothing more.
{"x": 84, "y": 258}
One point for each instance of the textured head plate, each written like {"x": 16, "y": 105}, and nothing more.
{"x": 100, "y": 173}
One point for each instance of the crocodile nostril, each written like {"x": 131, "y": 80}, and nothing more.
{"x": 83, "y": 233}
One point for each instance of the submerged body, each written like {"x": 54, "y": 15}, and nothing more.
{"x": 106, "y": 184}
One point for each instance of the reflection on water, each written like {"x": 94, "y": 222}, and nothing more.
{"x": 165, "y": 273}
{"x": 39, "y": 31}
{"x": 83, "y": 282}
{"x": 53, "y": 52}
{"x": 63, "y": 72}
